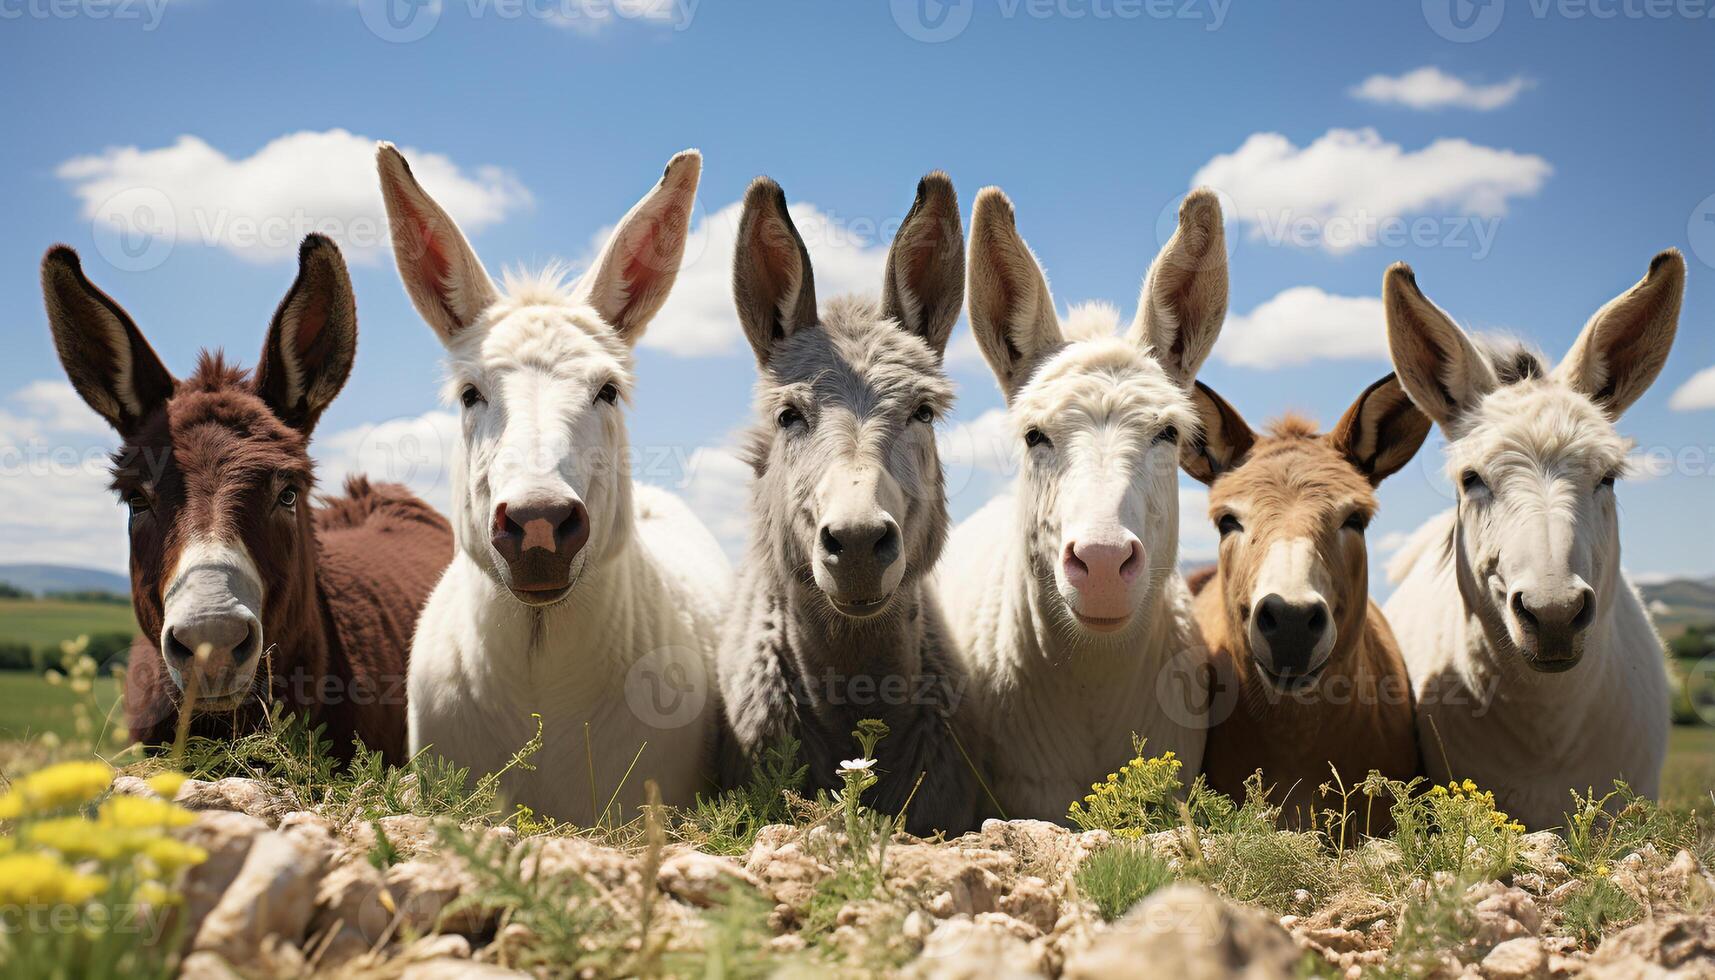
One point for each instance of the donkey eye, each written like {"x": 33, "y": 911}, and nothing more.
{"x": 1472, "y": 482}
{"x": 470, "y": 396}
{"x": 288, "y": 498}
{"x": 137, "y": 504}
{"x": 1035, "y": 437}
{"x": 608, "y": 393}
{"x": 924, "y": 414}
{"x": 1359, "y": 522}
{"x": 789, "y": 417}
{"x": 1169, "y": 434}
{"x": 1608, "y": 481}
{"x": 1228, "y": 524}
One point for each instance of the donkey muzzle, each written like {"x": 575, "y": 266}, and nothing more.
{"x": 538, "y": 543}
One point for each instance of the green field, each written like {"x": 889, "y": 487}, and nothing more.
{"x": 30, "y": 706}
{"x": 44, "y": 623}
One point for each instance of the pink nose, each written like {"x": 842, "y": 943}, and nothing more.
{"x": 1102, "y": 572}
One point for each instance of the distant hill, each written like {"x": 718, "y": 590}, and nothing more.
{"x": 42, "y": 579}
{"x": 1681, "y": 602}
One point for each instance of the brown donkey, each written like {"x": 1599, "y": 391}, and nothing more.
{"x": 244, "y": 591}
{"x": 1307, "y": 672}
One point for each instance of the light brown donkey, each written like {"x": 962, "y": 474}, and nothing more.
{"x": 1307, "y": 672}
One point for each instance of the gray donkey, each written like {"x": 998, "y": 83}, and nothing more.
{"x": 832, "y": 621}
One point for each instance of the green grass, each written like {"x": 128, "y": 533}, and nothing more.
{"x": 47, "y": 622}
{"x": 1688, "y": 778}
{"x": 30, "y": 706}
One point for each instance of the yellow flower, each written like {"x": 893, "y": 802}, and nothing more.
{"x": 169, "y": 855}
{"x": 76, "y": 837}
{"x": 155, "y": 893}
{"x": 55, "y": 788}
{"x": 138, "y": 812}
{"x": 167, "y": 783}
{"x": 35, "y": 878}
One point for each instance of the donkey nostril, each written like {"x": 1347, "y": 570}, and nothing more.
{"x": 1265, "y": 619}
{"x": 1586, "y": 609}
{"x": 573, "y": 523}
{"x": 887, "y": 546}
{"x": 830, "y": 544}
{"x": 1318, "y": 619}
{"x": 1526, "y": 618}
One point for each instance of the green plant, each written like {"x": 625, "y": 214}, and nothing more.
{"x": 1600, "y": 830}
{"x": 1120, "y": 876}
{"x": 1454, "y": 828}
{"x": 1597, "y": 906}
{"x": 1136, "y": 800}
{"x": 728, "y": 822}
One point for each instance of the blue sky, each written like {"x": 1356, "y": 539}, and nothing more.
{"x": 1527, "y": 166}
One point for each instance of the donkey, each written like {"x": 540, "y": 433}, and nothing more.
{"x": 1536, "y": 669}
{"x": 574, "y": 599}
{"x": 1084, "y": 635}
{"x": 1308, "y": 674}
{"x": 832, "y": 622}
{"x": 247, "y": 594}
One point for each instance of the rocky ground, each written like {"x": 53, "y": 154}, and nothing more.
{"x": 287, "y": 892}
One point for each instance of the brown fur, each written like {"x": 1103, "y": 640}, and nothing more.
{"x": 1357, "y": 714}
{"x": 210, "y": 457}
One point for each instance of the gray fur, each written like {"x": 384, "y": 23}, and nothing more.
{"x": 789, "y": 662}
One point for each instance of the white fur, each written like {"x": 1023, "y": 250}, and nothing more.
{"x": 1057, "y": 702}
{"x": 648, "y": 589}
{"x": 1540, "y": 519}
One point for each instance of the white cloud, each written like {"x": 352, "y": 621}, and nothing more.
{"x": 717, "y": 489}
{"x": 416, "y": 450}
{"x": 1392, "y": 542}
{"x": 55, "y": 506}
{"x": 1432, "y": 88}
{"x": 592, "y": 17}
{"x": 1352, "y": 188}
{"x": 1199, "y": 542}
{"x": 698, "y": 317}
{"x": 260, "y": 207}
{"x": 1303, "y": 324}
{"x": 1698, "y": 392}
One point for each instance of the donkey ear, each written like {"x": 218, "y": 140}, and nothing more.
{"x": 1012, "y": 312}
{"x": 312, "y": 340}
{"x": 445, "y": 279}
{"x": 1224, "y": 441}
{"x": 1625, "y": 344}
{"x": 1381, "y": 431}
{"x": 1441, "y": 369}
{"x": 104, "y": 354}
{"x": 924, "y": 286}
{"x": 1184, "y": 297}
{"x": 630, "y": 281}
{"x": 772, "y": 283}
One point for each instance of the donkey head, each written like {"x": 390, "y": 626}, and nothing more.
{"x": 215, "y": 470}
{"x": 1291, "y": 508}
{"x": 1100, "y": 417}
{"x": 1536, "y": 455}
{"x": 542, "y": 483}
{"x": 849, "y": 488}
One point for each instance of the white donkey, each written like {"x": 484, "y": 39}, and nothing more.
{"x": 572, "y": 595}
{"x": 1082, "y": 632}
{"x": 1535, "y": 666}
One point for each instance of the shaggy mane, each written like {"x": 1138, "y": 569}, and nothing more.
{"x": 1513, "y": 360}
{"x": 214, "y": 372}
{"x": 1091, "y": 321}
{"x": 551, "y": 285}
{"x": 1293, "y": 426}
